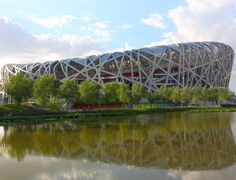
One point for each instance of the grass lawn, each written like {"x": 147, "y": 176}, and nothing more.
{"x": 55, "y": 105}
{"x": 13, "y": 107}
{"x": 11, "y": 112}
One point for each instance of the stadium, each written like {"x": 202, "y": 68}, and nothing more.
{"x": 183, "y": 64}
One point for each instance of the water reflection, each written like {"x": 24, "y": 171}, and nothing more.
{"x": 178, "y": 141}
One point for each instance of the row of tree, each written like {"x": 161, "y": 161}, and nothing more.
{"x": 21, "y": 89}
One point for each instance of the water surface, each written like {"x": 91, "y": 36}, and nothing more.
{"x": 161, "y": 146}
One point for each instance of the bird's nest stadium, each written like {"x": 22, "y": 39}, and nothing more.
{"x": 183, "y": 64}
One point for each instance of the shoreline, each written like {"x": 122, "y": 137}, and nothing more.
{"x": 47, "y": 115}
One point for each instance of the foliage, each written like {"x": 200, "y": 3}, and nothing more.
{"x": 1, "y": 87}
{"x": 138, "y": 91}
{"x": 203, "y": 95}
{"x": 89, "y": 91}
{"x": 186, "y": 95}
{"x": 124, "y": 93}
{"x": 43, "y": 87}
{"x": 225, "y": 94}
{"x": 55, "y": 88}
{"x": 55, "y": 105}
{"x": 20, "y": 88}
{"x": 175, "y": 95}
{"x": 30, "y": 114}
{"x": 213, "y": 94}
{"x": 25, "y": 110}
{"x": 109, "y": 93}
{"x": 69, "y": 90}
{"x": 164, "y": 93}
{"x": 151, "y": 96}
{"x": 196, "y": 93}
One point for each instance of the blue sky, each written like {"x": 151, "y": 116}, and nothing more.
{"x": 33, "y": 30}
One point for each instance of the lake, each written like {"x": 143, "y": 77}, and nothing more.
{"x": 188, "y": 146}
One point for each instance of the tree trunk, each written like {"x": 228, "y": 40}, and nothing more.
{"x": 18, "y": 105}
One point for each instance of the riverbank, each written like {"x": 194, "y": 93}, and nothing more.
{"x": 12, "y": 115}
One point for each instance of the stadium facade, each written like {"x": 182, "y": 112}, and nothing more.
{"x": 183, "y": 64}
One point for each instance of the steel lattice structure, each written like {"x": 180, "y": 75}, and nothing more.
{"x": 184, "y": 64}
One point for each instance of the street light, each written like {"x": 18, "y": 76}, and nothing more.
{"x": 57, "y": 100}
{"x": 131, "y": 104}
{"x": 99, "y": 97}
{"x": 100, "y": 92}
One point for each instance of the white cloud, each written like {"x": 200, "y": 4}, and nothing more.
{"x": 155, "y": 20}
{"x": 152, "y": 44}
{"x": 125, "y": 48}
{"x": 228, "y": 173}
{"x": 99, "y": 29}
{"x": 54, "y": 21}
{"x": 128, "y": 47}
{"x": 1, "y": 134}
{"x": 103, "y": 33}
{"x": 102, "y": 25}
{"x": 126, "y": 26}
{"x": 204, "y": 20}
{"x": 85, "y": 18}
{"x": 20, "y": 46}
{"x": 208, "y": 5}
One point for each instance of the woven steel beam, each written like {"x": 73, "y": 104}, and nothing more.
{"x": 184, "y": 64}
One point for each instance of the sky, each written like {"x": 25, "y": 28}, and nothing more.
{"x": 43, "y": 30}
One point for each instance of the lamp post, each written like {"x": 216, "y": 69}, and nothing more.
{"x": 100, "y": 93}
{"x": 4, "y": 98}
{"x": 99, "y": 98}
{"x": 57, "y": 100}
{"x": 131, "y": 104}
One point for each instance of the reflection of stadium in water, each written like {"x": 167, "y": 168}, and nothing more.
{"x": 180, "y": 141}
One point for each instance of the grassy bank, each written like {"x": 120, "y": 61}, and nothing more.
{"x": 166, "y": 109}
{"x": 11, "y": 114}
{"x": 25, "y": 110}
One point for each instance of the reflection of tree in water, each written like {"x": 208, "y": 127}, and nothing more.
{"x": 174, "y": 140}
{"x": 19, "y": 143}
{"x": 89, "y": 137}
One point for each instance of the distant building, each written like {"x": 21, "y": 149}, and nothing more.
{"x": 184, "y": 64}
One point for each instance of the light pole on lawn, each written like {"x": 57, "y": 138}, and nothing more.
{"x": 99, "y": 98}
{"x": 57, "y": 100}
{"x": 131, "y": 92}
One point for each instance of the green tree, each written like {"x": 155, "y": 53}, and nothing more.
{"x": 20, "y": 88}
{"x": 55, "y": 88}
{"x": 89, "y": 92}
{"x": 175, "y": 95}
{"x": 1, "y": 87}
{"x": 151, "y": 96}
{"x": 138, "y": 91}
{"x": 43, "y": 87}
{"x": 124, "y": 93}
{"x": 186, "y": 95}
{"x": 213, "y": 94}
{"x": 196, "y": 92}
{"x": 69, "y": 90}
{"x": 109, "y": 93}
{"x": 225, "y": 94}
{"x": 204, "y": 95}
{"x": 165, "y": 93}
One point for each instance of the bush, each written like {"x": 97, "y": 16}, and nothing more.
{"x": 25, "y": 110}
{"x": 228, "y": 105}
